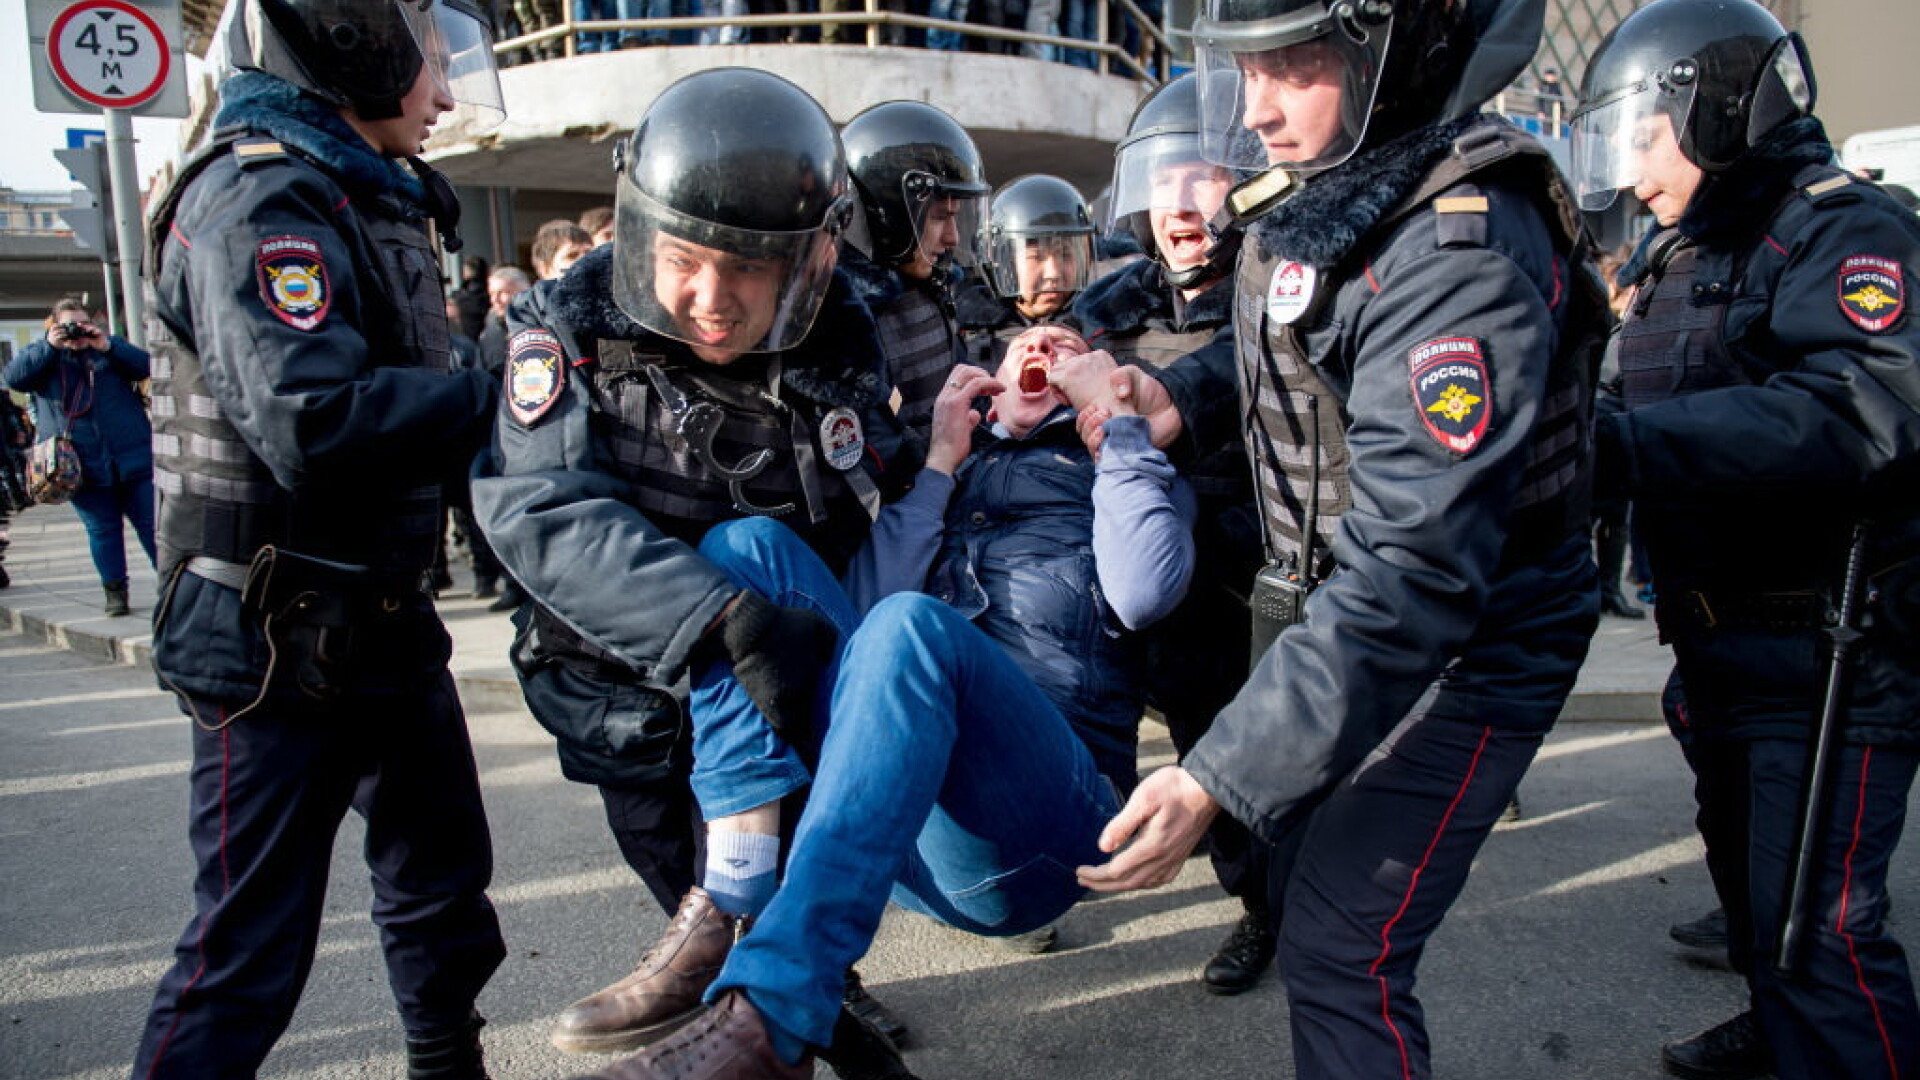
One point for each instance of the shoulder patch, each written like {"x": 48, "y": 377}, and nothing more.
{"x": 534, "y": 377}
{"x": 1452, "y": 391}
{"x": 1872, "y": 292}
{"x": 293, "y": 280}
{"x": 1290, "y": 291}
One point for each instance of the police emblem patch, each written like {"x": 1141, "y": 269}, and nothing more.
{"x": 1290, "y": 291}
{"x": 842, "y": 439}
{"x": 1872, "y": 292}
{"x": 293, "y": 280}
{"x": 1452, "y": 391}
{"x": 534, "y": 378}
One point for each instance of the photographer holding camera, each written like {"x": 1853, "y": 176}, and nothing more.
{"x": 83, "y": 384}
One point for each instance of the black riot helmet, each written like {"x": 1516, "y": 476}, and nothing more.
{"x": 909, "y": 160}
{"x": 1395, "y": 65}
{"x": 366, "y": 54}
{"x": 1159, "y": 166}
{"x": 732, "y": 197}
{"x": 1040, "y": 233}
{"x": 1723, "y": 73}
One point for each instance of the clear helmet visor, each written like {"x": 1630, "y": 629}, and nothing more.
{"x": 1616, "y": 139}
{"x": 719, "y": 288}
{"x": 454, "y": 38}
{"x": 1302, "y": 105}
{"x": 1167, "y": 173}
{"x": 950, "y": 220}
{"x": 1031, "y": 263}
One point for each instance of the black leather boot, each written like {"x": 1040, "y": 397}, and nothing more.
{"x": 454, "y": 1056}
{"x": 117, "y": 603}
{"x": 1246, "y": 953}
{"x": 1730, "y": 1051}
{"x": 1610, "y": 551}
{"x": 861, "y": 1052}
{"x": 864, "y": 1006}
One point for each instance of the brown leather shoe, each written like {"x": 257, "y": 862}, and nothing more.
{"x": 664, "y": 992}
{"x": 729, "y": 1042}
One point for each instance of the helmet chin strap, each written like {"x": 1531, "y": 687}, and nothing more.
{"x": 1220, "y": 257}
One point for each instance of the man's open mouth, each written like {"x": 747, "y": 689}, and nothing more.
{"x": 1033, "y": 374}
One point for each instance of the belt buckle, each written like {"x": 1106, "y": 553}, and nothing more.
{"x": 1702, "y": 611}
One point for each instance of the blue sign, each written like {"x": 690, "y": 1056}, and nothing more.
{"x": 79, "y": 137}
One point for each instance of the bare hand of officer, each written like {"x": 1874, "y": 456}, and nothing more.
{"x": 954, "y": 416}
{"x": 778, "y": 655}
{"x": 1159, "y": 827}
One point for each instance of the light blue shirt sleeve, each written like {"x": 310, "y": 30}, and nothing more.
{"x": 905, "y": 538}
{"x": 1143, "y": 515}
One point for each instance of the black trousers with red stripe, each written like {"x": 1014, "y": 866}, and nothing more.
{"x": 1380, "y": 862}
{"x": 1747, "y": 707}
{"x": 269, "y": 793}
{"x": 1851, "y": 1010}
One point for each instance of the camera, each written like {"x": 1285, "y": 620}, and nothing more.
{"x": 75, "y": 331}
{"x": 1278, "y": 600}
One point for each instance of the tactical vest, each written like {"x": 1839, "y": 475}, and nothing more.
{"x": 1154, "y": 348}
{"x": 917, "y": 335}
{"x": 640, "y": 396}
{"x": 1672, "y": 343}
{"x": 216, "y": 497}
{"x": 1297, "y": 418}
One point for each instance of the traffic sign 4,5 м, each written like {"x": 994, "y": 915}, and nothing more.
{"x": 107, "y": 54}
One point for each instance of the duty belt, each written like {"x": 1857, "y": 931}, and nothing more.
{"x": 1784, "y": 612}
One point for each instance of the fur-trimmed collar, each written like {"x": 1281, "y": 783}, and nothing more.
{"x": 314, "y": 129}
{"x": 1335, "y": 210}
{"x": 839, "y": 363}
{"x": 1735, "y": 204}
{"x": 1124, "y": 302}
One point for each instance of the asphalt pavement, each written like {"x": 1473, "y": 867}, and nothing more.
{"x": 1554, "y": 963}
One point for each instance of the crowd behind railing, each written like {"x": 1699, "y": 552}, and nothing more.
{"x": 1118, "y": 36}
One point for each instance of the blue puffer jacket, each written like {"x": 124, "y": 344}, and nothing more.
{"x": 1017, "y": 558}
{"x": 90, "y": 394}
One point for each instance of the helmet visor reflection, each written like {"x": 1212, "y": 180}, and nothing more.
{"x": 950, "y": 222}
{"x": 717, "y": 287}
{"x": 1615, "y": 137}
{"x": 458, "y": 47}
{"x": 1031, "y": 263}
{"x": 1302, "y": 105}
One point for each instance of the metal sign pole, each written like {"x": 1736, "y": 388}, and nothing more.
{"x": 125, "y": 190}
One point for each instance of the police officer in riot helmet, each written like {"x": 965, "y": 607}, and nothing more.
{"x": 1415, "y": 323}
{"x": 923, "y": 194}
{"x": 709, "y": 364}
{"x": 1039, "y": 254}
{"x": 1154, "y": 312}
{"x": 1770, "y": 379}
{"x": 304, "y": 416}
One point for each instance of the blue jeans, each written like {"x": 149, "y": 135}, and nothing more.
{"x": 945, "y": 778}
{"x": 949, "y": 40}
{"x": 592, "y": 41}
{"x": 102, "y": 509}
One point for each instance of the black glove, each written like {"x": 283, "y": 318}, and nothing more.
{"x": 778, "y": 655}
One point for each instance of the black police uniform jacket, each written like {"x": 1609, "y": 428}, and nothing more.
{"x": 1771, "y": 368}
{"x": 595, "y": 505}
{"x": 918, "y": 334}
{"x": 1445, "y": 342}
{"x": 301, "y": 392}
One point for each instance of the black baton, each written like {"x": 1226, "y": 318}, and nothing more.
{"x": 1844, "y": 635}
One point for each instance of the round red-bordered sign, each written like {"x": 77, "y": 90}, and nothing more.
{"x": 100, "y": 48}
